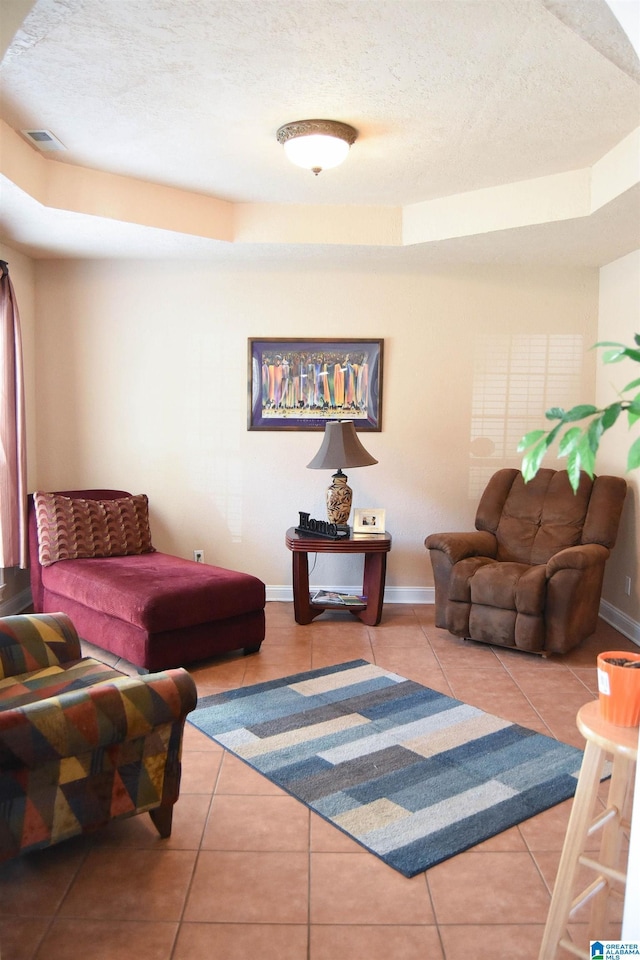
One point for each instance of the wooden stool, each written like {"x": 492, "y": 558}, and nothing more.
{"x": 603, "y": 739}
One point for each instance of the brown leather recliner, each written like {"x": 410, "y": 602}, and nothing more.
{"x": 530, "y": 575}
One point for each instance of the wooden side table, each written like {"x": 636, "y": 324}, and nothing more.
{"x": 375, "y": 547}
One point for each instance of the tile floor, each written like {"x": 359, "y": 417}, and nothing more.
{"x": 249, "y": 872}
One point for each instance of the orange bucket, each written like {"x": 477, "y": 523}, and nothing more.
{"x": 619, "y": 688}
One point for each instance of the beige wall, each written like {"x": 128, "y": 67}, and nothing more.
{"x": 619, "y": 317}
{"x": 141, "y": 384}
{"x": 136, "y": 378}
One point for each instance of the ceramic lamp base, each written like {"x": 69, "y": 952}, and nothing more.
{"x": 339, "y": 498}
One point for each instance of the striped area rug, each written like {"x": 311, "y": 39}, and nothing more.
{"x": 411, "y": 774}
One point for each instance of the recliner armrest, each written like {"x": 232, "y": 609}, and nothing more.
{"x": 31, "y": 641}
{"x": 82, "y": 720}
{"x": 581, "y": 557}
{"x": 457, "y": 546}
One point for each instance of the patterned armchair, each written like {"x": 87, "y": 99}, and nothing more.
{"x": 81, "y": 743}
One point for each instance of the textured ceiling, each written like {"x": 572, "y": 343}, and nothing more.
{"x": 448, "y": 96}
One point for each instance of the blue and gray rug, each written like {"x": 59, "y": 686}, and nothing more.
{"x": 411, "y": 774}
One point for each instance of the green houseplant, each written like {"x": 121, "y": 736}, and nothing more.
{"x": 579, "y": 444}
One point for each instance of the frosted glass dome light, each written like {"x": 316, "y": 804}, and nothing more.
{"x": 316, "y": 144}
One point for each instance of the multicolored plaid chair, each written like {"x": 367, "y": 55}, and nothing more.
{"x": 81, "y": 743}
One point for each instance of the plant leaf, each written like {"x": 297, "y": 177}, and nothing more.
{"x": 532, "y": 460}
{"x": 581, "y": 445}
{"x": 573, "y": 469}
{"x": 580, "y": 412}
{"x": 569, "y": 441}
{"x": 587, "y": 455}
{"x": 594, "y": 433}
{"x": 633, "y": 460}
{"x": 633, "y": 410}
{"x": 555, "y": 413}
{"x": 613, "y": 356}
{"x": 530, "y": 438}
{"x": 610, "y": 415}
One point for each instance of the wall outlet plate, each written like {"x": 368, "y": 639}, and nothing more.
{"x": 198, "y": 556}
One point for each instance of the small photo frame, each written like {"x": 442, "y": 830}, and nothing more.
{"x": 368, "y": 520}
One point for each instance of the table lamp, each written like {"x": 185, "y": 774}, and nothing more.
{"x": 340, "y": 448}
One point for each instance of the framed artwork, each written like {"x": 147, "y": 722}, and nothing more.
{"x": 300, "y": 384}
{"x": 368, "y": 520}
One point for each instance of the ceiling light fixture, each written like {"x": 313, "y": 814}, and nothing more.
{"x": 316, "y": 144}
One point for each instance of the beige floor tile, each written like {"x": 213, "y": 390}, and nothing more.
{"x": 348, "y": 888}
{"x": 274, "y": 668}
{"x": 506, "y": 704}
{"x": 398, "y": 635}
{"x": 355, "y": 647}
{"x": 257, "y": 823}
{"x": 216, "y": 676}
{"x": 251, "y": 872}
{"x": 236, "y": 777}
{"x": 195, "y": 739}
{"x": 289, "y": 635}
{"x": 508, "y": 840}
{"x": 35, "y": 885}
{"x": 375, "y": 942}
{"x": 238, "y": 887}
{"x": 487, "y": 888}
{"x": 108, "y": 940}
{"x": 547, "y": 830}
{"x": 189, "y": 818}
{"x": 333, "y": 624}
{"x": 241, "y": 941}
{"x": 326, "y": 654}
{"x": 110, "y": 882}
{"x": 420, "y": 665}
{"x": 21, "y": 936}
{"x": 503, "y": 942}
{"x": 199, "y": 775}
{"x": 325, "y": 838}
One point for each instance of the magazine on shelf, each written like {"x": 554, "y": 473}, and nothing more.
{"x": 338, "y": 599}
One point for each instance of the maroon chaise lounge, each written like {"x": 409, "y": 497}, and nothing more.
{"x": 155, "y": 610}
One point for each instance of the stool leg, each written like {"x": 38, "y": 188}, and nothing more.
{"x": 574, "y": 844}
{"x": 621, "y": 777}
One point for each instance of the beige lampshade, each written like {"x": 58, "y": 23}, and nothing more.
{"x": 341, "y": 448}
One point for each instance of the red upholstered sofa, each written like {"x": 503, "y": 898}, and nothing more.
{"x": 155, "y": 610}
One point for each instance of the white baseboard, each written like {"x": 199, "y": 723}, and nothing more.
{"x": 391, "y": 594}
{"x": 628, "y": 627}
{"x": 16, "y": 604}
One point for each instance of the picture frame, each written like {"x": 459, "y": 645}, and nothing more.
{"x": 369, "y": 520}
{"x": 300, "y": 384}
